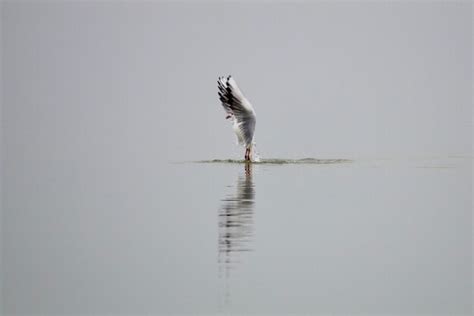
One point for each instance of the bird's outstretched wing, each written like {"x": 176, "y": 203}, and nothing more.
{"x": 236, "y": 105}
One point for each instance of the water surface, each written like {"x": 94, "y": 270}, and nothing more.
{"x": 280, "y": 161}
{"x": 282, "y": 236}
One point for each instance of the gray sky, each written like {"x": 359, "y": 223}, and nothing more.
{"x": 325, "y": 79}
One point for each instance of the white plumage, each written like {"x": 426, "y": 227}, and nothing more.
{"x": 239, "y": 109}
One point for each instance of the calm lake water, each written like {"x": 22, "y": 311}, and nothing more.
{"x": 313, "y": 237}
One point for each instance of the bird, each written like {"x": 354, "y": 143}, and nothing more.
{"x": 240, "y": 111}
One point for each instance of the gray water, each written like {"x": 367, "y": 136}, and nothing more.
{"x": 326, "y": 237}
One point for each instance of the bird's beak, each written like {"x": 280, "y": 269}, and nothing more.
{"x": 228, "y": 117}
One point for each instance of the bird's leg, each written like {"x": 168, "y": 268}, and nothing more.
{"x": 247, "y": 154}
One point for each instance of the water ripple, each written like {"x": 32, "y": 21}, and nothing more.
{"x": 280, "y": 161}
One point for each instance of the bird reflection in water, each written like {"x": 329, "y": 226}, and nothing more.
{"x": 236, "y": 226}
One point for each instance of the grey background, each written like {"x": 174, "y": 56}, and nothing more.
{"x": 325, "y": 79}
{"x": 98, "y": 98}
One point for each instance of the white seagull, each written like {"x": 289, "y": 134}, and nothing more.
{"x": 240, "y": 111}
